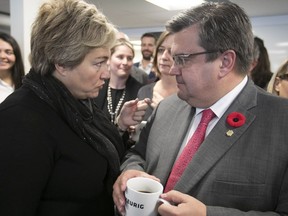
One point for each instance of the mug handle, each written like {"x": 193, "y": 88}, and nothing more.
{"x": 164, "y": 201}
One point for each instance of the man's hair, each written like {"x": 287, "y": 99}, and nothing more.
{"x": 148, "y": 34}
{"x": 222, "y": 26}
{"x": 65, "y": 31}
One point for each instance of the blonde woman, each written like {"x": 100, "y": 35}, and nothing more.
{"x": 121, "y": 87}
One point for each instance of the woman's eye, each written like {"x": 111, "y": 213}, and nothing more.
{"x": 120, "y": 57}
{"x": 161, "y": 50}
{"x": 9, "y": 52}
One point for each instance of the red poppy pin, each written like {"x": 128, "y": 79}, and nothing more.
{"x": 235, "y": 119}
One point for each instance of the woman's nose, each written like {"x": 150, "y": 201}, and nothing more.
{"x": 124, "y": 61}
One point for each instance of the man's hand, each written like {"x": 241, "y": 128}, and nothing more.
{"x": 183, "y": 205}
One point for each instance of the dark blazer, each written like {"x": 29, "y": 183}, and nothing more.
{"x": 232, "y": 175}
{"x": 45, "y": 168}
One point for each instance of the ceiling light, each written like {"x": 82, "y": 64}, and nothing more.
{"x": 176, "y": 4}
{"x": 277, "y": 52}
{"x": 282, "y": 44}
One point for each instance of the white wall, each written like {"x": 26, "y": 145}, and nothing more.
{"x": 22, "y": 16}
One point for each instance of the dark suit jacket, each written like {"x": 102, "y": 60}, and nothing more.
{"x": 151, "y": 76}
{"x": 45, "y": 168}
{"x": 242, "y": 174}
{"x": 147, "y": 92}
{"x": 139, "y": 74}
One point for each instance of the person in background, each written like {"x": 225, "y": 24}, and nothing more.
{"x": 148, "y": 43}
{"x": 59, "y": 154}
{"x": 235, "y": 162}
{"x": 11, "y": 65}
{"x": 278, "y": 84}
{"x": 139, "y": 74}
{"x": 121, "y": 87}
{"x": 261, "y": 72}
{"x": 166, "y": 84}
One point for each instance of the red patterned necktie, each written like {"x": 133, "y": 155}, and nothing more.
{"x": 189, "y": 150}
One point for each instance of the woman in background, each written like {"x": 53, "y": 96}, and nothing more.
{"x": 11, "y": 65}
{"x": 166, "y": 84}
{"x": 121, "y": 87}
{"x": 278, "y": 84}
{"x": 59, "y": 154}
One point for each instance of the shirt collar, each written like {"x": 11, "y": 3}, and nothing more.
{"x": 223, "y": 103}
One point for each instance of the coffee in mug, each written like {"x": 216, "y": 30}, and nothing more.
{"x": 142, "y": 196}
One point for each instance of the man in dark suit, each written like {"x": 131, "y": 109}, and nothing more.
{"x": 241, "y": 167}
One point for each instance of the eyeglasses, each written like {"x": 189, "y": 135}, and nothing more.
{"x": 181, "y": 59}
{"x": 283, "y": 76}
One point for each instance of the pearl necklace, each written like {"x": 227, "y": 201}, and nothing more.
{"x": 110, "y": 104}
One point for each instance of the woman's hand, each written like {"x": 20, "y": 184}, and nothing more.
{"x": 132, "y": 113}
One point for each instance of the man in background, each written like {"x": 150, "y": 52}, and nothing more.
{"x": 148, "y": 43}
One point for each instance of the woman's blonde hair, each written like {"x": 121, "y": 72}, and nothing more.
{"x": 65, "y": 31}
{"x": 122, "y": 42}
{"x": 283, "y": 69}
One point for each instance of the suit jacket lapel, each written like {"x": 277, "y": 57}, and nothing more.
{"x": 217, "y": 143}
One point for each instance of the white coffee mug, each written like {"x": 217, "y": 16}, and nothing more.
{"x": 142, "y": 196}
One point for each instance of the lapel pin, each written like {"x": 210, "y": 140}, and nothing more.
{"x": 229, "y": 133}
{"x": 235, "y": 119}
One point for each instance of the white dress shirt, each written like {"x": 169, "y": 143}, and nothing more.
{"x": 5, "y": 90}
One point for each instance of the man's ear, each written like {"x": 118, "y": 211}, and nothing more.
{"x": 227, "y": 63}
